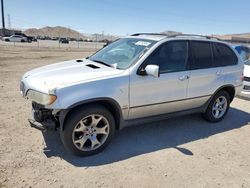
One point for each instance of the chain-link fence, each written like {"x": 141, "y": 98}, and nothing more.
{"x": 55, "y": 44}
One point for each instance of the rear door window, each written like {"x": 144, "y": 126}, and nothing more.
{"x": 223, "y": 55}
{"x": 201, "y": 55}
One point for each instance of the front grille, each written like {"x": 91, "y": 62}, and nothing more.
{"x": 246, "y": 79}
{"x": 246, "y": 87}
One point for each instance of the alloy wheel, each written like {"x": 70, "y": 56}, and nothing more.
{"x": 219, "y": 107}
{"x": 91, "y": 132}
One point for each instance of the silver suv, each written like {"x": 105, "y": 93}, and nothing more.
{"x": 135, "y": 79}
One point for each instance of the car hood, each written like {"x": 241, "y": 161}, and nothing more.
{"x": 247, "y": 70}
{"x": 47, "y": 78}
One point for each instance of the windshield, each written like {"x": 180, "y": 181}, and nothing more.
{"x": 122, "y": 53}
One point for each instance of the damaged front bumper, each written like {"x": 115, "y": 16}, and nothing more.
{"x": 42, "y": 126}
{"x": 43, "y": 119}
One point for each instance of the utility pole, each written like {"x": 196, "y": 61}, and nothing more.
{"x": 9, "y": 22}
{"x": 3, "y": 24}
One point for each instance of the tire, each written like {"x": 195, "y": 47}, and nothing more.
{"x": 218, "y": 107}
{"x": 7, "y": 40}
{"x": 80, "y": 134}
{"x": 22, "y": 40}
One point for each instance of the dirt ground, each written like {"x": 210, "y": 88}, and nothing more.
{"x": 180, "y": 152}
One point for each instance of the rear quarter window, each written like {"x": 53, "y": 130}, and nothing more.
{"x": 223, "y": 55}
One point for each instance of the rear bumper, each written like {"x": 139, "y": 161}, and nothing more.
{"x": 238, "y": 90}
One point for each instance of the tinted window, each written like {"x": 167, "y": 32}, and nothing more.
{"x": 223, "y": 55}
{"x": 170, "y": 57}
{"x": 202, "y": 55}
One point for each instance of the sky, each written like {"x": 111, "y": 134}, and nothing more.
{"x": 125, "y": 17}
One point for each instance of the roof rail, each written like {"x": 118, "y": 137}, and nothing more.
{"x": 177, "y": 35}
{"x": 194, "y": 35}
{"x": 138, "y": 34}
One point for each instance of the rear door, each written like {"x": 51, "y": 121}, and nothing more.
{"x": 226, "y": 58}
{"x": 205, "y": 76}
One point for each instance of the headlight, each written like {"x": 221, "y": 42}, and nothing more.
{"x": 41, "y": 98}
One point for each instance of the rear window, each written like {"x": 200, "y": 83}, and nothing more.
{"x": 223, "y": 55}
{"x": 202, "y": 55}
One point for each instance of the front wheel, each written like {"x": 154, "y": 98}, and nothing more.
{"x": 218, "y": 107}
{"x": 88, "y": 130}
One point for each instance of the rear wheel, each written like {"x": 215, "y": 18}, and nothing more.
{"x": 88, "y": 130}
{"x": 218, "y": 107}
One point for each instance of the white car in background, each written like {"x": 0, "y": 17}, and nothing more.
{"x": 244, "y": 52}
{"x": 15, "y": 38}
{"x": 246, "y": 81}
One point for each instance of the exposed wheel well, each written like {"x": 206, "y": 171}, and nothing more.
{"x": 230, "y": 90}
{"x": 111, "y": 106}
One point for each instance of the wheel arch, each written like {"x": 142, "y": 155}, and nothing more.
{"x": 108, "y": 103}
{"x": 230, "y": 89}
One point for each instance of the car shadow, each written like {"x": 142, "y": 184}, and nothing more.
{"x": 141, "y": 139}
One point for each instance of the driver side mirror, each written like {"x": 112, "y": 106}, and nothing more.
{"x": 152, "y": 70}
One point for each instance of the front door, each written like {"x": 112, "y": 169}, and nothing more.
{"x": 151, "y": 96}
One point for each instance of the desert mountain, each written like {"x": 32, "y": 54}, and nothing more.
{"x": 57, "y": 31}
{"x": 231, "y": 36}
{"x": 60, "y": 31}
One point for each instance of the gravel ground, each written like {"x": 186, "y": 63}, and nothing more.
{"x": 180, "y": 152}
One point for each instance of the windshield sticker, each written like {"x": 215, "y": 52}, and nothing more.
{"x": 142, "y": 43}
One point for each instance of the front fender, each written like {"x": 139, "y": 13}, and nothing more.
{"x": 108, "y": 101}
{"x": 115, "y": 89}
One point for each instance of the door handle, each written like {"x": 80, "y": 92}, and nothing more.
{"x": 183, "y": 77}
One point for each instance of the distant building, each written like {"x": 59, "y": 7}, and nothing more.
{"x": 8, "y": 32}
{"x": 241, "y": 39}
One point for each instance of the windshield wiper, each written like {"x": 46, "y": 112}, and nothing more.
{"x": 101, "y": 62}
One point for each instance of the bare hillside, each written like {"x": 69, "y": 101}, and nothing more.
{"x": 57, "y": 31}
{"x": 60, "y": 31}
{"x": 230, "y": 36}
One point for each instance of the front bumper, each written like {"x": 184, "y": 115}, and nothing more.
{"x": 42, "y": 126}
{"x": 246, "y": 88}
{"x": 245, "y": 93}
{"x": 42, "y": 119}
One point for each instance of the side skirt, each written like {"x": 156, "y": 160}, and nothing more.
{"x": 161, "y": 117}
